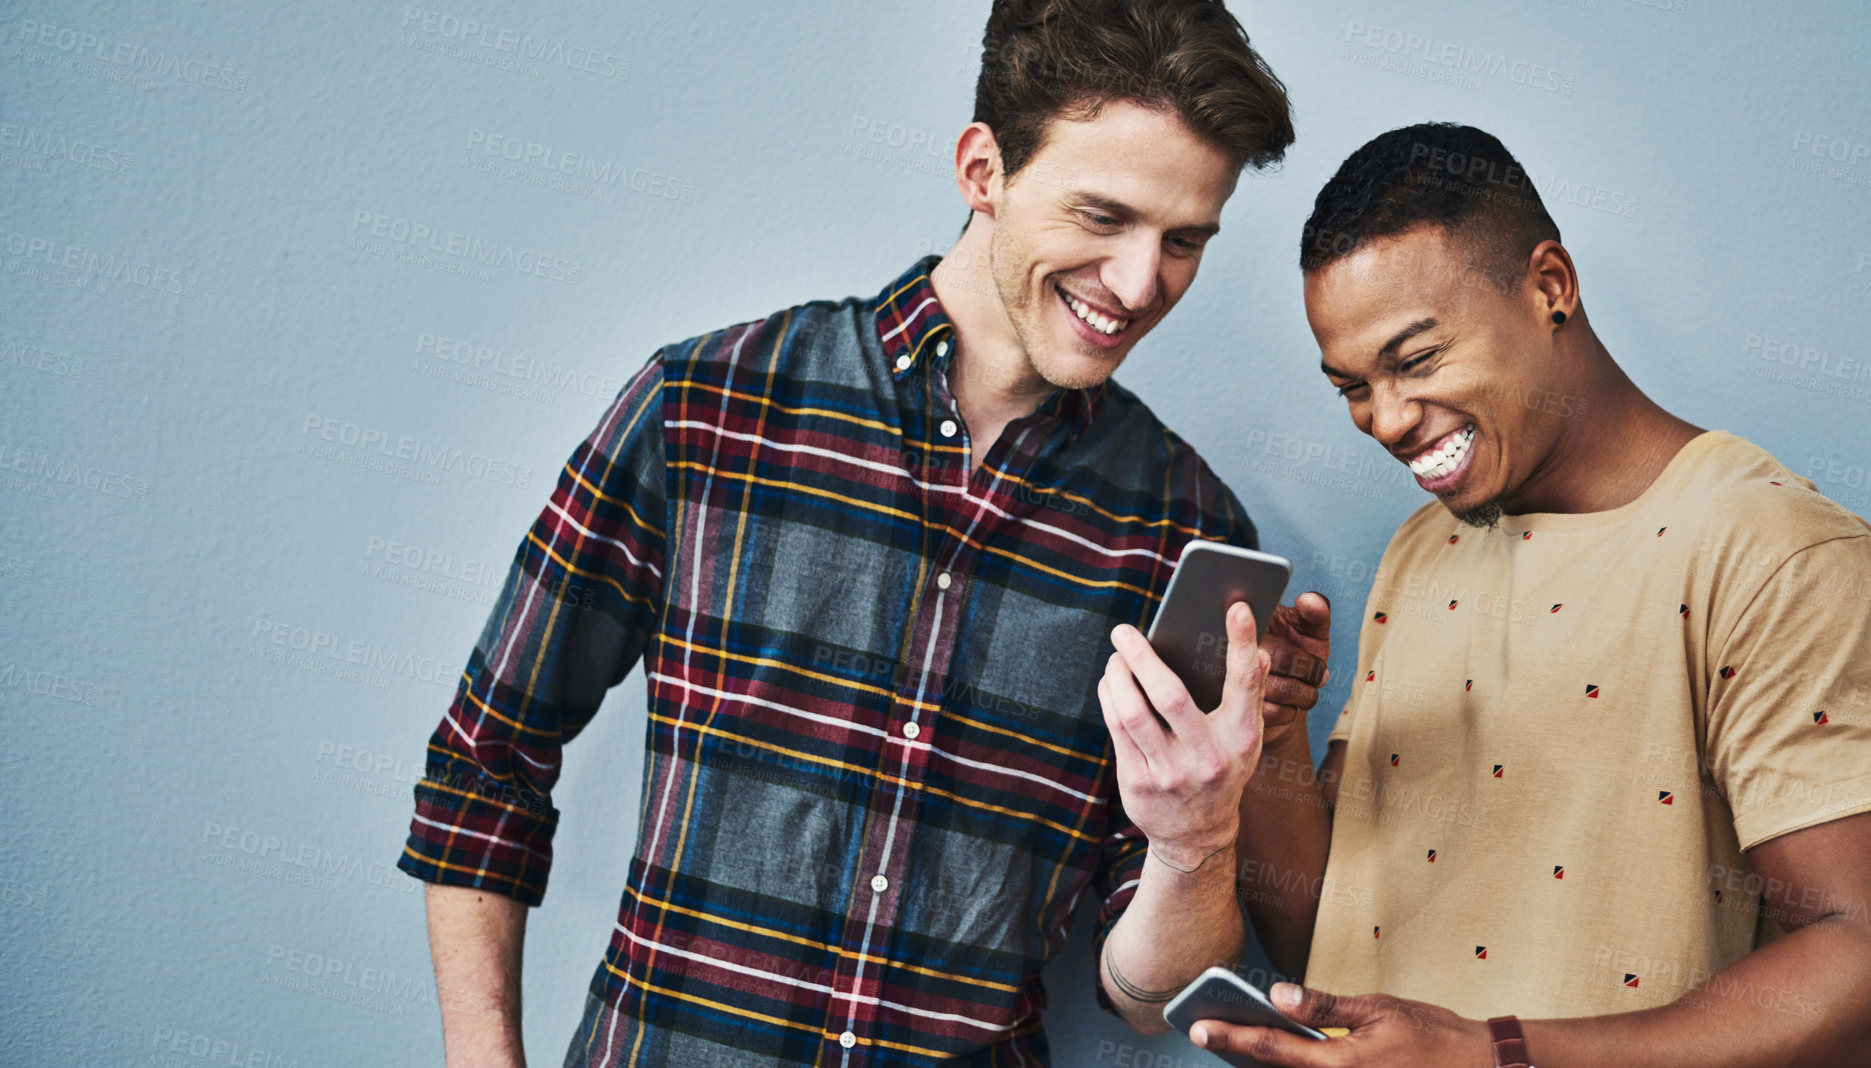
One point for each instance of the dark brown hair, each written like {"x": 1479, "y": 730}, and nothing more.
{"x": 1041, "y": 59}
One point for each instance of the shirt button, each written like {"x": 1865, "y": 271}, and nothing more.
{"x": 912, "y": 730}
{"x": 879, "y": 884}
{"x": 903, "y": 364}
{"x": 943, "y": 582}
{"x": 847, "y": 1040}
{"x": 948, "y": 428}
{"x": 941, "y": 348}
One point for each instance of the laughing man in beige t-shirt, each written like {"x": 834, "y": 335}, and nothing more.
{"x": 1606, "y": 762}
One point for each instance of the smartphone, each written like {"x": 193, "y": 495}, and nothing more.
{"x": 1219, "y": 994}
{"x": 1190, "y": 631}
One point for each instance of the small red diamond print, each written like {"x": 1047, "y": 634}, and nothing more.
{"x": 1630, "y": 980}
{"x": 1432, "y": 856}
{"x": 1728, "y": 672}
{"x": 1591, "y": 691}
{"x": 1453, "y": 538}
{"x": 1393, "y": 760}
{"x": 1497, "y": 771}
{"x": 1555, "y": 608}
{"x": 1452, "y": 605}
{"x": 1559, "y": 871}
{"x": 1665, "y": 797}
{"x": 1469, "y": 685}
{"x": 1527, "y": 536}
{"x": 1820, "y": 719}
{"x": 1683, "y": 611}
{"x": 1381, "y": 617}
{"x": 1481, "y": 952}
{"x": 1660, "y": 531}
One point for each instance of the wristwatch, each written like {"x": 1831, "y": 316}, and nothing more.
{"x": 1510, "y": 1046}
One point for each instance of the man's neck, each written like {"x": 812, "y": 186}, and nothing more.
{"x": 1611, "y": 451}
{"x": 991, "y": 376}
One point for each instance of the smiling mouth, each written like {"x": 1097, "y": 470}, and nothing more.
{"x": 1445, "y": 457}
{"x": 1091, "y": 317}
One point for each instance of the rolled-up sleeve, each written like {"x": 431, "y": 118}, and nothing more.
{"x": 578, "y": 607}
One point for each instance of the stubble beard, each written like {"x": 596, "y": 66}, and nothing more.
{"x": 1006, "y": 257}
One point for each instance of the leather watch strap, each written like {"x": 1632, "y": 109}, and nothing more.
{"x": 1510, "y": 1046}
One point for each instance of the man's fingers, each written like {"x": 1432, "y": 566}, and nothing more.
{"x": 1281, "y": 690}
{"x": 1127, "y": 713}
{"x": 1247, "y": 667}
{"x": 1164, "y": 690}
{"x": 1314, "y": 614}
{"x": 1273, "y": 714}
{"x": 1315, "y": 1008}
{"x": 1121, "y": 742}
{"x": 1292, "y": 662}
{"x": 1265, "y": 1044}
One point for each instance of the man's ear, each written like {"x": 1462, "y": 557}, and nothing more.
{"x": 1555, "y": 281}
{"x": 978, "y": 168}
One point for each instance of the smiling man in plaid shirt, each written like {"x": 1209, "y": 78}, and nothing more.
{"x": 872, "y": 554}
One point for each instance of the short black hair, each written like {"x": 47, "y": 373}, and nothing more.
{"x": 1440, "y": 173}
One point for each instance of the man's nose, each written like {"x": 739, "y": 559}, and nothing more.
{"x": 1132, "y": 273}
{"x": 1393, "y": 415}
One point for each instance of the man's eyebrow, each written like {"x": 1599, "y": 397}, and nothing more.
{"x": 1100, "y": 203}
{"x": 1389, "y": 351}
{"x": 1107, "y": 206}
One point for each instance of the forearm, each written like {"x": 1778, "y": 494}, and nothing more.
{"x": 1177, "y": 926}
{"x": 1285, "y": 836}
{"x": 476, "y": 938}
{"x": 1804, "y": 999}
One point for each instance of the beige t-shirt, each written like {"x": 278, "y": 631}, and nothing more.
{"x": 1565, "y": 730}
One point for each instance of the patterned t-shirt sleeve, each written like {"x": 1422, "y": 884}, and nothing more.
{"x": 578, "y": 607}
{"x": 1789, "y": 695}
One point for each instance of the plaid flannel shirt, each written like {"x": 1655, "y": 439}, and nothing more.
{"x": 877, "y": 780}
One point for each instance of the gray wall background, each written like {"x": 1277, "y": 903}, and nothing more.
{"x": 231, "y": 618}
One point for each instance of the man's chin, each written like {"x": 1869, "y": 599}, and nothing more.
{"x": 1484, "y": 515}
{"x": 1079, "y": 371}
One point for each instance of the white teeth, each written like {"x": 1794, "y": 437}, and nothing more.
{"x": 1445, "y": 458}
{"x": 1101, "y": 323}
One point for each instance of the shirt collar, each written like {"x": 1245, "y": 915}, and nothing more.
{"x": 915, "y": 330}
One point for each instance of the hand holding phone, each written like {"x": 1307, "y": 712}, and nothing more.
{"x": 1219, "y": 994}
{"x": 1190, "y": 631}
